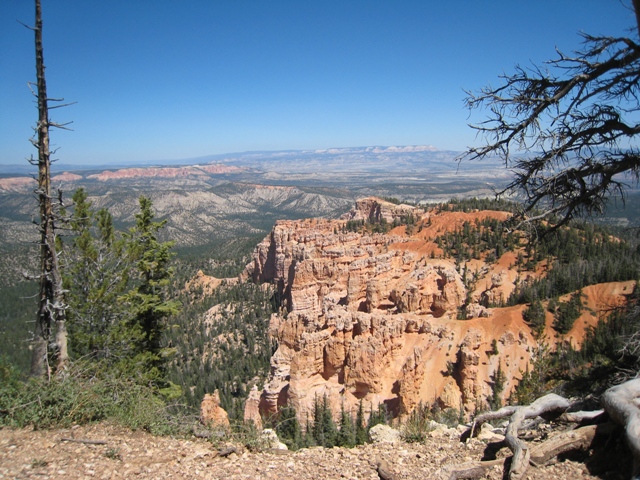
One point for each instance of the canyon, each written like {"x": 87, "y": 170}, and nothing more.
{"x": 375, "y": 317}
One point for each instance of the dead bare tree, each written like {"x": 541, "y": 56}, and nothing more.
{"x": 568, "y": 130}
{"x": 50, "y": 321}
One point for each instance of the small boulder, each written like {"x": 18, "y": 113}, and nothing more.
{"x": 269, "y": 438}
{"x": 487, "y": 434}
{"x": 383, "y": 434}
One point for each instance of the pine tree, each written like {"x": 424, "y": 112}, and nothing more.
{"x": 347, "y": 432}
{"x": 288, "y": 428}
{"x": 97, "y": 273}
{"x": 534, "y": 315}
{"x": 567, "y": 313}
{"x": 378, "y": 416}
{"x": 361, "y": 429}
{"x": 324, "y": 428}
{"x": 308, "y": 440}
{"x": 147, "y": 302}
{"x": 499, "y": 379}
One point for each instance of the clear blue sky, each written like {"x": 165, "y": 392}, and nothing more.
{"x": 171, "y": 79}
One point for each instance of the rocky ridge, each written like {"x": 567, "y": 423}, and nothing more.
{"x": 372, "y": 317}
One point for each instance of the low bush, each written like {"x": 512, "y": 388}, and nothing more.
{"x": 83, "y": 395}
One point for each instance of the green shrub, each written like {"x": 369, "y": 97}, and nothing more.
{"x": 85, "y": 394}
{"x": 288, "y": 428}
{"x": 418, "y": 425}
{"x": 450, "y": 417}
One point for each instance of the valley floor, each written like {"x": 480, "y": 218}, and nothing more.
{"x": 26, "y": 453}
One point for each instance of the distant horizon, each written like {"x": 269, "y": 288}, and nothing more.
{"x": 167, "y": 80}
{"x": 21, "y": 168}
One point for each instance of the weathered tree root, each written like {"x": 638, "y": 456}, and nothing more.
{"x": 621, "y": 403}
{"x": 549, "y": 404}
{"x": 578, "y": 439}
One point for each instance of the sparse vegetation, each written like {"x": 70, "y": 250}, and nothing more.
{"x": 488, "y": 239}
{"x": 87, "y": 394}
{"x": 113, "y": 454}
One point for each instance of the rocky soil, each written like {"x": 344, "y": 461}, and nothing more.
{"x": 121, "y": 453}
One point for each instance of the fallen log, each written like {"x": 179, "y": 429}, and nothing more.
{"x": 570, "y": 440}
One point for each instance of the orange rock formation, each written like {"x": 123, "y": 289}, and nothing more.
{"x": 373, "y": 317}
{"x": 211, "y": 413}
{"x": 165, "y": 172}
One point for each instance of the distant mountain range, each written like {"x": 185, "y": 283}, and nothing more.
{"x": 345, "y": 165}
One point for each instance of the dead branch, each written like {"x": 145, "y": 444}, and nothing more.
{"x": 83, "y": 440}
{"x": 549, "y": 405}
{"x": 581, "y": 416}
{"x": 521, "y": 454}
{"x": 571, "y": 440}
{"x": 567, "y": 118}
{"x": 473, "y": 470}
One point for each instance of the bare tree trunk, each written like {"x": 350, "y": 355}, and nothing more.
{"x": 621, "y": 403}
{"x": 51, "y": 311}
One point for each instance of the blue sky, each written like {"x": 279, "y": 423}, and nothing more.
{"x": 169, "y": 79}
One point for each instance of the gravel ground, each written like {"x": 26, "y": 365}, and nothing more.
{"x": 26, "y": 453}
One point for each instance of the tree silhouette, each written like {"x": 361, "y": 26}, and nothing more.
{"x": 567, "y": 129}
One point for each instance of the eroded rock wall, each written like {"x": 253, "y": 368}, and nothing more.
{"x": 373, "y": 317}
